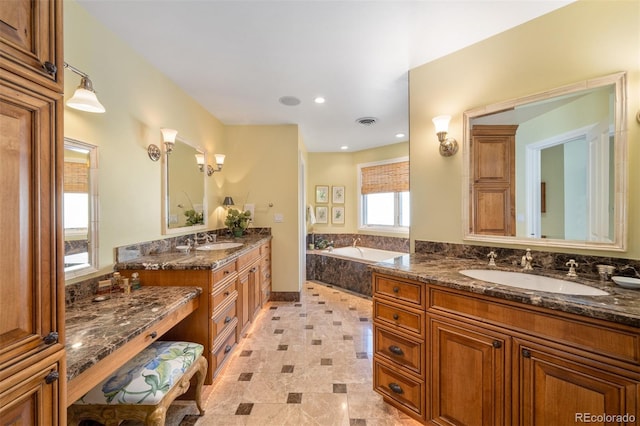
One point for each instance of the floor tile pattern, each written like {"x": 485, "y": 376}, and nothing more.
{"x": 303, "y": 363}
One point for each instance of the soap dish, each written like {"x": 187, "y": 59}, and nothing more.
{"x": 183, "y": 249}
{"x": 627, "y": 282}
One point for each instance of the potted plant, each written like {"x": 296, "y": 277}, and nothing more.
{"x": 237, "y": 221}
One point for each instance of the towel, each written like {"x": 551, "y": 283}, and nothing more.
{"x": 311, "y": 217}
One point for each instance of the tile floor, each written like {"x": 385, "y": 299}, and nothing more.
{"x": 306, "y": 363}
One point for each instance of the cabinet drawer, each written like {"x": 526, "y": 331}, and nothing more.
{"x": 403, "y": 391}
{"x": 223, "y": 272}
{"x": 227, "y": 317}
{"x": 409, "y": 292}
{"x": 221, "y": 354}
{"x": 265, "y": 249}
{"x": 248, "y": 258}
{"x": 398, "y": 317}
{"x": 405, "y": 352}
{"x": 592, "y": 336}
{"x": 222, "y": 295}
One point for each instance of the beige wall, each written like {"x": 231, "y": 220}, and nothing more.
{"x": 583, "y": 40}
{"x": 260, "y": 167}
{"x": 341, "y": 169}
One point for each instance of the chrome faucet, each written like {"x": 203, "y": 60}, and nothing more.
{"x": 526, "y": 261}
{"x": 355, "y": 242}
{"x": 572, "y": 264}
{"x": 492, "y": 258}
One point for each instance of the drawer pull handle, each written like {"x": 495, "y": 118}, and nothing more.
{"x": 396, "y": 316}
{"x": 227, "y": 320}
{"x": 396, "y": 388}
{"x": 395, "y": 350}
{"x": 227, "y": 349}
{"x": 51, "y": 377}
{"x": 153, "y": 334}
{"x": 497, "y": 344}
{"x": 51, "y": 338}
{"x": 526, "y": 353}
{"x": 396, "y": 289}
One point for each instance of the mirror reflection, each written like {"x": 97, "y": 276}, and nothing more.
{"x": 79, "y": 208}
{"x": 549, "y": 168}
{"x": 185, "y": 182}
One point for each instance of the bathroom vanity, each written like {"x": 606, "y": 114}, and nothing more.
{"x": 450, "y": 349}
{"x": 236, "y": 283}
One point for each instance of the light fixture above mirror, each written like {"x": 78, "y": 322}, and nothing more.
{"x": 168, "y": 139}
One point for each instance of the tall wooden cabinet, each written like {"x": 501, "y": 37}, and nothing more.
{"x": 32, "y": 364}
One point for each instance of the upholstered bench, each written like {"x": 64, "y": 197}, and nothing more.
{"x": 145, "y": 386}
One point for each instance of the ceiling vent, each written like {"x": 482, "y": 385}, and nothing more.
{"x": 367, "y": 121}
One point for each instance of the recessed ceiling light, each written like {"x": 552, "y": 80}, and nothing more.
{"x": 289, "y": 101}
{"x": 319, "y": 100}
{"x": 344, "y": 147}
{"x": 400, "y": 135}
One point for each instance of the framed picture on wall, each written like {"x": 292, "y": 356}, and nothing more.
{"x": 322, "y": 193}
{"x": 337, "y": 194}
{"x": 322, "y": 214}
{"x": 337, "y": 215}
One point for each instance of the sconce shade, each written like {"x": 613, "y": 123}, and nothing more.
{"x": 169, "y": 138}
{"x": 85, "y": 99}
{"x": 200, "y": 159}
{"x": 228, "y": 201}
{"x": 220, "y": 159}
{"x": 442, "y": 123}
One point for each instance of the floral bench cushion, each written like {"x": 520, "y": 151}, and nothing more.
{"x": 147, "y": 377}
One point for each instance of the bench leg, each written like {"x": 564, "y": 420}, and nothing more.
{"x": 200, "y": 375}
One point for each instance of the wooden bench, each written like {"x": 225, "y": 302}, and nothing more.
{"x": 145, "y": 386}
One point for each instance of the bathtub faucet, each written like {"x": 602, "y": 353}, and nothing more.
{"x": 355, "y": 242}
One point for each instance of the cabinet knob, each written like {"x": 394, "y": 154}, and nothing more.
{"x": 396, "y": 316}
{"x": 153, "y": 334}
{"x": 497, "y": 344}
{"x": 396, "y": 289}
{"x": 396, "y": 388}
{"x": 226, "y": 293}
{"x": 526, "y": 353}
{"x": 227, "y": 320}
{"x": 50, "y": 68}
{"x": 252, "y": 270}
{"x": 227, "y": 349}
{"x": 51, "y": 377}
{"x": 396, "y": 350}
{"x": 51, "y": 338}
{"x": 226, "y": 273}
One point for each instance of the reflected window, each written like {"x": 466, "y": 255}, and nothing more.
{"x": 79, "y": 203}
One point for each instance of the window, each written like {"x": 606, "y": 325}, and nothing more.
{"x": 384, "y": 195}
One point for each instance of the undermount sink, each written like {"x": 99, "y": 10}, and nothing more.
{"x": 532, "y": 282}
{"x": 218, "y": 246}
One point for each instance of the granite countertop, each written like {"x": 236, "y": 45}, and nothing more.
{"x": 620, "y": 305}
{"x": 195, "y": 259}
{"x": 96, "y": 329}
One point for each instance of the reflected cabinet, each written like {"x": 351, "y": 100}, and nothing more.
{"x": 32, "y": 382}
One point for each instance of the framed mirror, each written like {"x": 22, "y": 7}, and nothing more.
{"x": 549, "y": 169}
{"x": 80, "y": 206}
{"x": 184, "y": 189}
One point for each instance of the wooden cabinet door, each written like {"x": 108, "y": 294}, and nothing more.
{"x": 244, "y": 301}
{"x": 556, "y": 389}
{"x": 493, "y": 185}
{"x": 32, "y": 285}
{"x": 32, "y": 396}
{"x": 255, "y": 290}
{"x": 29, "y": 45}
{"x": 469, "y": 372}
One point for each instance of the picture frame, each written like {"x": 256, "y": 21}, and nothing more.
{"x": 322, "y": 193}
{"x": 322, "y": 213}
{"x": 337, "y": 215}
{"x": 337, "y": 194}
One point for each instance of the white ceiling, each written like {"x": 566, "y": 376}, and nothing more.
{"x": 237, "y": 58}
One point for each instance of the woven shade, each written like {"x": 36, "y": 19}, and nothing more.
{"x": 76, "y": 177}
{"x": 392, "y": 177}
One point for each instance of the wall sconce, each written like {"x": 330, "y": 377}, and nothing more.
{"x": 228, "y": 201}
{"x": 84, "y": 98}
{"x": 448, "y": 146}
{"x": 200, "y": 161}
{"x": 219, "y": 164}
{"x": 169, "y": 139}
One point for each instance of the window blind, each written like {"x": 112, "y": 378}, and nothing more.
{"x": 76, "y": 177}
{"x": 392, "y": 177}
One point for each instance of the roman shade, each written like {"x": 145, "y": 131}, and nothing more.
{"x": 391, "y": 177}
{"x": 76, "y": 177}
